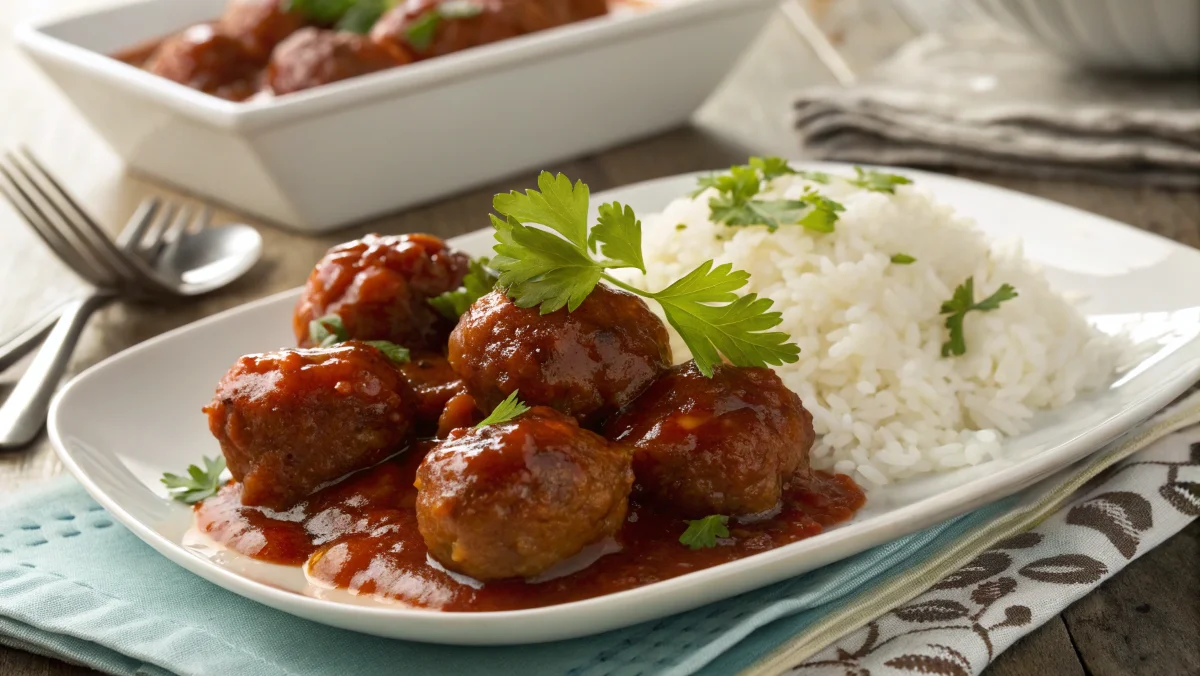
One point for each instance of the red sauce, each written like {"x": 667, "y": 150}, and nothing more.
{"x": 361, "y": 534}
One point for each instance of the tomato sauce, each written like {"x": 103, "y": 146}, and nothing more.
{"x": 361, "y": 534}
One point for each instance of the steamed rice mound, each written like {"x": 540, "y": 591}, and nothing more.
{"x": 886, "y": 405}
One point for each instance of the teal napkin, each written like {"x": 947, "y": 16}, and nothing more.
{"x": 76, "y": 585}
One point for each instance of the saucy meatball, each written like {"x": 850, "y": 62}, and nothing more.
{"x": 721, "y": 445}
{"x": 515, "y": 498}
{"x": 205, "y": 59}
{"x": 397, "y": 28}
{"x": 432, "y": 384}
{"x": 311, "y": 57}
{"x": 380, "y": 287}
{"x": 291, "y": 420}
{"x": 588, "y": 363}
{"x": 259, "y": 25}
{"x": 536, "y": 15}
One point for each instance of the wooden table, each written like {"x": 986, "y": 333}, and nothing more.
{"x": 1113, "y": 631}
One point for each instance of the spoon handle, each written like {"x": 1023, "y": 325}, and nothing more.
{"x": 22, "y": 415}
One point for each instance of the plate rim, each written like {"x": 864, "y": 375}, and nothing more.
{"x": 911, "y": 517}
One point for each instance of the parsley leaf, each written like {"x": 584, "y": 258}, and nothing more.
{"x": 771, "y": 167}
{"x": 398, "y": 354}
{"x": 703, "y": 533}
{"x": 814, "y": 212}
{"x": 903, "y": 259}
{"x": 327, "y": 330}
{"x": 552, "y": 269}
{"x": 198, "y": 484}
{"x": 355, "y": 16}
{"x": 479, "y": 282}
{"x": 877, "y": 181}
{"x": 320, "y": 11}
{"x": 421, "y": 31}
{"x": 816, "y": 176}
{"x": 962, "y": 302}
{"x": 506, "y": 410}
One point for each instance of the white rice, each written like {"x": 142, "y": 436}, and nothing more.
{"x": 886, "y": 405}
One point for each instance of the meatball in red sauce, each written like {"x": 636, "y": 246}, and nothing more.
{"x": 513, "y": 499}
{"x": 311, "y": 57}
{"x": 589, "y": 363}
{"x": 432, "y": 384}
{"x": 205, "y": 59}
{"x": 536, "y": 15}
{"x": 721, "y": 445}
{"x": 380, "y": 287}
{"x": 259, "y": 25}
{"x": 441, "y": 35}
{"x": 291, "y": 420}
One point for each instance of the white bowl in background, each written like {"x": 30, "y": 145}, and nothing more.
{"x": 1132, "y": 35}
{"x": 347, "y": 151}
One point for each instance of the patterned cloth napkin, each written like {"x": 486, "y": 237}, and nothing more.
{"x": 975, "y": 97}
{"x": 77, "y": 586}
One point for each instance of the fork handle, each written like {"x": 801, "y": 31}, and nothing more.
{"x": 28, "y": 338}
{"x": 24, "y": 413}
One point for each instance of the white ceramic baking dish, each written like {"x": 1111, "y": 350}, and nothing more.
{"x": 332, "y": 155}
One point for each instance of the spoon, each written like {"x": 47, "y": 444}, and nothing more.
{"x": 191, "y": 264}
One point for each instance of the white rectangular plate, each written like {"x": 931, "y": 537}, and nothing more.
{"x": 124, "y": 422}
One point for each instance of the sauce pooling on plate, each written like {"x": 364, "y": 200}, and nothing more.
{"x": 361, "y": 535}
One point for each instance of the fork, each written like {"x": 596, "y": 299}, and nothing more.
{"x": 123, "y": 268}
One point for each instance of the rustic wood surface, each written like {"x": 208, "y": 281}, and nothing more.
{"x": 1135, "y": 623}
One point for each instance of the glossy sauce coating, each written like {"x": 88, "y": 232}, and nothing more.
{"x": 589, "y": 363}
{"x": 362, "y": 535}
{"x": 380, "y": 287}
{"x": 311, "y": 57}
{"x": 259, "y": 25}
{"x": 291, "y": 420}
{"x": 720, "y": 445}
{"x": 432, "y": 384}
{"x": 204, "y": 59}
{"x": 514, "y": 499}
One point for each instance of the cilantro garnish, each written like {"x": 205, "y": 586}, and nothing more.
{"x": 703, "y": 533}
{"x": 394, "y": 352}
{"x": 327, "y": 330}
{"x": 736, "y": 202}
{"x": 506, "y": 410}
{"x": 962, "y": 302}
{"x": 903, "y": 259}
{"x": 355, "y": 16}
{"x": 198, "y": 484}
{"x": 558, "y": 265}
{"x": 877, "y": 181}
{"x": 479, "y": 282}
{"x": 423, "y": 29}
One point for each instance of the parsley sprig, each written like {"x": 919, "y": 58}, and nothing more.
{"x": 736, "y": 202}
{"x": 479, "y": 282}
{"x": 329, "y": 330}
{"x": 559, "y": 264}
{"x": 200, "y": 483}
{"x": 506, "y": 410}
{"x": 422, "y": 30}
{"x": 962, "y": 302}
{"x": 877, "y": 181}
{"x": 355, "y": 16}
{"x": 703, "y": 533}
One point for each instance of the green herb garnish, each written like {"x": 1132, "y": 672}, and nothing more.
{"x": 903, "y": 259}
{"x": 877, "y": 181}
{"x": 479, "y": 282}
{"x": 394, "y": 352}
{"x": 736, "y": 202}
{"x": 327, "y": 330}
{"x": 423, "y": 29}
{"x": 506, "y": 410}
{"x": 559, "y": 266}
{"x": 703, "y": 533}
{"x": 963, "y": 302}
{"x": 355, "y": 16}
{"x": 198, "y": 484}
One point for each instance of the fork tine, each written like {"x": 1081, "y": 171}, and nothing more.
{"x": 131, "y": 237}
{"x": 180, "y": 225}
{"x": 34, "y": 217}
{"x": 203, "y": 220}
{"x": 152, "y": 242}
{"x": 80, "y": 228}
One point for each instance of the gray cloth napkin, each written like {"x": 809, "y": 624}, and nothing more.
{"x": 975, "y": 97}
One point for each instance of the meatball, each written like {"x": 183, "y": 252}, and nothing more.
{"x": 432, "y": 384}
{"x": 291, "y": 420}
{"x": 588, "y": 363}
{"x": 721, "y": 445}
{"x": 460, "y": 411}
{"x": 259, "y": 25}
{"x": 204, "y": 59}
{"x": 513, "y": 499}
{"x": 536, "y": 15}
{"x": 380, "y": 287}
{"x": 396, "y": 29}
{"x": 311, "y": 57}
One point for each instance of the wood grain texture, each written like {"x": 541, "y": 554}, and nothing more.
{"x": 748, "y": 114}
